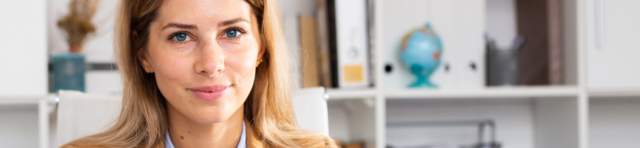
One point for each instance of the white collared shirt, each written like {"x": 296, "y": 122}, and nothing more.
{"x": 241, "y": 144}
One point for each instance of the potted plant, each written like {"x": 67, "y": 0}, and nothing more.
{"x": 69, "y": 68}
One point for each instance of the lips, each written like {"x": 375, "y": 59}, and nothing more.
{"x": 209, "y": 93}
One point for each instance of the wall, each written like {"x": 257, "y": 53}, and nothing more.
{"x": 99, "y": 47}
{"x": 23, "y": 48}
{"x": 501, "y": 21}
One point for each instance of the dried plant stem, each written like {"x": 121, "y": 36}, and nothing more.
{"x": 77, "y": 24}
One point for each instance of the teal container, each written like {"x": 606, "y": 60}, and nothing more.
{"x": 68, "y": 72}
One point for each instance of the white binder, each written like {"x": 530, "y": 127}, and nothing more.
{"x": 352, "y": 50}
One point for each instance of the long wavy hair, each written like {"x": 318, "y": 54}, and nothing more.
{"x": 143, "y": 118}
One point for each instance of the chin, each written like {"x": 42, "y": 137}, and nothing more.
{"x": 213, "y": 115}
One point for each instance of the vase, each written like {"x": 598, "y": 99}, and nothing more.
{"x": 69, "y": 72}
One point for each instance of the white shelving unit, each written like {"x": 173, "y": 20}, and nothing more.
{"x": 537, "y": 113}
{"x": 576, "y": 115}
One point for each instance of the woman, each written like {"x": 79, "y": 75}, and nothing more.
{"x": 203, "y": 73}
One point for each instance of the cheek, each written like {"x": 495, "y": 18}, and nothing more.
{"x": 171, "y": 70}
{"x": 243, "y": 64}
{"x": 241, "y": 54}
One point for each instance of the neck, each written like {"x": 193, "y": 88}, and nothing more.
{"x": 188, "y": 133}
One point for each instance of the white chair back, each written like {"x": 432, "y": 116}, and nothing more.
{"x": 81, "y": 114}
{"x": 310, "y": 107}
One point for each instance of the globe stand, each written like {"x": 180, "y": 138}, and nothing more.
{"x": 422, "y": 77}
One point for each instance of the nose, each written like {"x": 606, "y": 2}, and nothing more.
{"x": 210, "y": 59}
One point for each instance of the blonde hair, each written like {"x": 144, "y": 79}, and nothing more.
{"x": 143, "y": 118}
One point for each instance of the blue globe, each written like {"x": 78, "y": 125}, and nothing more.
{"x": 420, "y": 52}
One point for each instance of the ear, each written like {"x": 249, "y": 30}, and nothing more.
{"x": 144, "y": 60}
{"x": 142, "y": 56}
{"x": 263, "y": 49}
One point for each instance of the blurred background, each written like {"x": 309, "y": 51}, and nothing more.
{"x": 398, "y": 73}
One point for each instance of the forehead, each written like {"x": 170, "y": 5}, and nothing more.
{"x": 202, "y": 11}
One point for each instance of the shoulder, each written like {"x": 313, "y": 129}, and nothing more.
{"x": 73, "y": 146}
{"x": 98, "y": 146}
{"x": 254, "y": 140}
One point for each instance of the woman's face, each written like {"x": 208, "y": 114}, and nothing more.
{"x": 204, "y": 54}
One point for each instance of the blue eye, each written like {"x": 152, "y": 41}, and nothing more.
{"x": 231, "y": 33}
{"x": 181, "y": 37}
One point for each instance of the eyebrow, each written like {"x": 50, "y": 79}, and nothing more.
{"x": 233, "y": 21}
{"x": 183, "y": 26}
{"x": 188, "y": 26}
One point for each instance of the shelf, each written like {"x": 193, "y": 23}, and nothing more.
{"x": 618, "y": 92}
{"x": 491, "y": 92}
{"x": 23, "y": 100}
{"x": 26, "y": 100}
{"x": 350, "y": 94}
{"x": 488, "y": 93}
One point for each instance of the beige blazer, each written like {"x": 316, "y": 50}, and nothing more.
{"x": 253, "y": 141}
